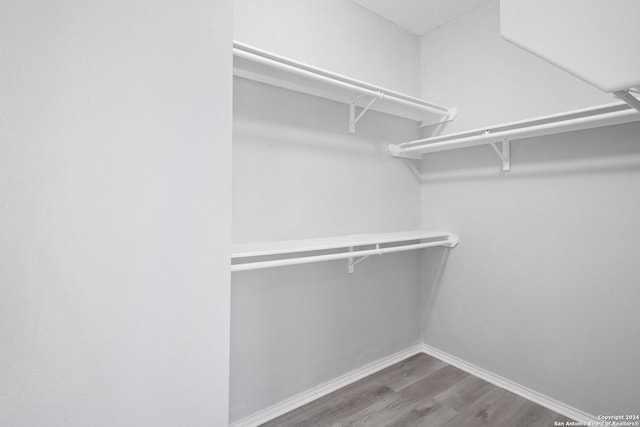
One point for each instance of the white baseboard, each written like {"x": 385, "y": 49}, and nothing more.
{"x": 322, "y": 390}
{"x": 520, "y": 390}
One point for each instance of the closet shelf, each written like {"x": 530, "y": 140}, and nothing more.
{"x": 587, "y": 118}
{"x": 282, "y": 253}
{"x": 265, "y": 67}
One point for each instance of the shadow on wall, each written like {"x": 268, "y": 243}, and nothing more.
{"x": 607, "y": 149}
{"x": 263, "y": 111}
{"x": 432, "y": 267}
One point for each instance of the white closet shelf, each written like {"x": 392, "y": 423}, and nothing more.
{"x": 277, "y": 254}
{"x": 265, "y": 67}
{"x": 587, "y": 118}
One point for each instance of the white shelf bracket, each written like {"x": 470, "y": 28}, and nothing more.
{"x": 504, "y": 154}
{"x": 448, "y": 117}
{"x": 352, "y": 262}
{"x": 353, "y": 119}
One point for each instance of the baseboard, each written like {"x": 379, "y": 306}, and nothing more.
{"x": 303, "y": 398}
{"x": 329, "y": 387}
{"x": 520, "y": 390}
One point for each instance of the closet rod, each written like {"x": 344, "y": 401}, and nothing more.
{"x": 417, "y": 104}
{"x": 627, "y": 97}
{"x": 431, "y": 145}
{"x": 450, "y": 242}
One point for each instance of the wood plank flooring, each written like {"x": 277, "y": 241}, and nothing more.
{"x": 419, "y": 391}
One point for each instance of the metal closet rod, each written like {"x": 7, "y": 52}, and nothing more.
{"x": 430, "y": 145}
{"x": 450, "y": 242}
{"x": 379, "y": 94}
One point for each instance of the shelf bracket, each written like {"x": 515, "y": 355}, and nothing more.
{"x": 449, "y": 116}
{"x": 353, "y": 119}
{"x": 352, "y": 262}
{"x": 504, "y": 154}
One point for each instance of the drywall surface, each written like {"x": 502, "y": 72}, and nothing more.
{"x": 333, "y": 34}
{"x": 543, "y": 287}
{"x": 590, "y": 39}
{"x": 298, "y": 173}
{"x": 467, "y": 65}
{"x": 115, "y": 129}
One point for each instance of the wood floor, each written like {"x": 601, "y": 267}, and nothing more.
{"x": 420, "y": 391}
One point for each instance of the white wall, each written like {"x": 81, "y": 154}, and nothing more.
{"x": 590, "y": 39}
{"x": 296, "y": 163}
{"x": 333, "y": 34}
{"x": 542, "y": 289}
{"x": 115, "y": 126}
{"x": 465, "y": 64}
{"x": 298, "y": 173}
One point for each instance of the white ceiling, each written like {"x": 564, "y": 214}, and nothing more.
{"x": 420, "y": 16}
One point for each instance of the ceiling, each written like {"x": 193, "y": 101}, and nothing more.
{"x": 420, "y": 16}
